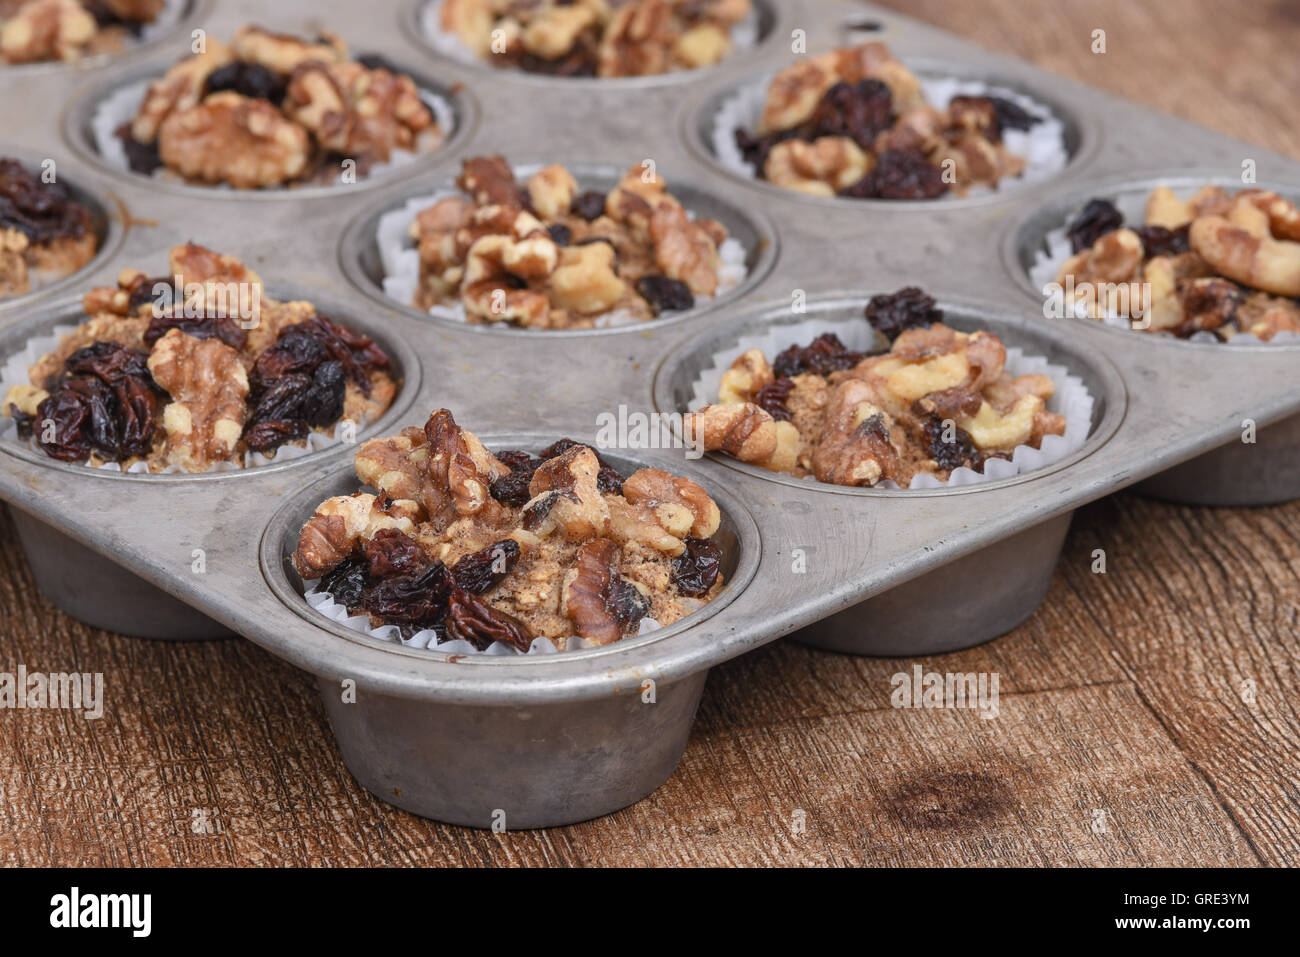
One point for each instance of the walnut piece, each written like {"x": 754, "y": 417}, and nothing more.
{"x": 46, "y": 30}
{"x": 340, "y": 523}
{"x": 180, "y": 88}
{"x": 355, "y": 111}
{"x": 207, "y": 384}
{"x": 229, "y": 138}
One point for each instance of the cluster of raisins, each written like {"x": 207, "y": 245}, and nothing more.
{"x": 822, "y": 356}
{"x": 390, "y": 578}
{"x": 300, "y": 382}
{"x": 247, "y": 79}
{"x": 861, "y": 111}
{"x": 40, "y": 211}
{"x": 105, "y": 401}
{"x": 899, "y": 174}
{"x": 892, "y": 314}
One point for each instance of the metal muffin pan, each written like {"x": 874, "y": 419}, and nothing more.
{"x": 973, "y": 599}
{"x": 111, "y": 597}
{"x": 858, "y": 546}
{"x": 540, "y": 763}
{"x": 1237, "y": 473}
{"x": 360, "y": 259}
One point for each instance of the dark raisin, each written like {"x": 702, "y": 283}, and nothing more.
{"x": 23, "y": 422}
{"x": 560, "y": 234}
{"x": 664, "y": 294}
{"x": 109, "y": 361}
{"x": 860, "y": 111}
{"x": 1013, "y": 116}
{"x": 512, "y": 489}
{"x": 1159, "y": 241}
{"x": 106, "y": 401}
{"x": 200, "y": 327}
{"x": 949, "y": 446}
{"x": 322, "y": 404}
{"x": 65, "y": 418}
{"x": 295, "y": 350}
{"x": 1095, "y": 220}
{"x": 772, "y": 399}
{"x": 626, "y": 603}
{"x": 304, "y": 345}
{"x": 590, "y": 205}
{"x": 346, "y": 582}
{"x": 268, "y": 435}
{"x": 39, "y": 210}
{"x": 156, "y": 292}
{"x": 892, "y": 314}
{"x": 822, "y": 356}
{"x": 609, "y": 481}
{"x": 899, "y": 174}
{"x": 247, "y": 79}
{"x": 410, "y": 600}
{"x": 391, "y": 553}
{"x": 483, "y": 570}
{"x": 755, "y": 149}
{"x": 377, "y": 61}
{"x": 696, "y": 569}
{"x": 143, "y": 158}
{"x": 474, "y": 620}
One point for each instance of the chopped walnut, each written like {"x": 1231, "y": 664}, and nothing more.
{"x": 672, "y": 493}
{"x": 207, "y": 384}
{"x": 820, "y": 168}
{"x": 355, "y": 111}
{"x": 179, "y": 89}
{"x": 46, "y": 30}
{"x": 14, "y": 279}
{"x": 340, "y": 523}
{"x": 749, "y": 373}
{"x": 234, "y": 139}
{"x": 566, "y": 498}
{"x": 282, "y": 53}
{"x": 551, "y": 191}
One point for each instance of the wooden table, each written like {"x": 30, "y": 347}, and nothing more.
{"x": 1148, "y": 714}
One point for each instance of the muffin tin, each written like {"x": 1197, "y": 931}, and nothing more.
{"x": 535, "y": 742}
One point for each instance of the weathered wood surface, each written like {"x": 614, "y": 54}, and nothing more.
{"x": 1148, "y": 715}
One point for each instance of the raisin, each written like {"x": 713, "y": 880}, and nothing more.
{"x": 247, "y": 79}
{"x": 147, "y": 291}
{"x": 391, "y": 553}
{"x": 109, "y": 361}
{"x": 1011, "y": 115}
{"x": 346, "y": 582}
{"x": 625, "y": 602}
{"x": 474, "y": 620}
{"x": 295, "y": 350}
{"x": 899, "y": 174}
{"x": 41, "y": 211}
{"x": 822, "y": 356}
{"x": 269, "y": 434}
{"x": 106, "y": 401}
{"x": 23, "y": 422}
{"x": 512, "y": 489}
{"x": 892, "y": 314}
{"x": 950, "y": 450}
{"x": 772, "y": 399}
{"x": 483, "y": 570}
{"x": 412, "y": 599}
{"x": 696, "y": 569}
{"x": 301, "y": 347}
{"x": 69, "y": 410}
{"x": 1159, "y": 241}
{"x": 664, "y": 294}
{"x": 143, "y": 158}
{"x": 200, "y": 327}
{"x": 322, "y": 404}
{"x": 1095, "y": 220}
{"x": 860, "y": 111}
{"x": 609, "y": 481}
{"x": 755, "y": 149}
{"x": 590, "y": 205}
{"x": 560, "y": 234}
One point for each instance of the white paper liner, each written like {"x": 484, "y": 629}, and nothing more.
{"x": 121, "y": 105}
{"x": 14, "y": 371}
{"x": 401, "y": 264}
{"x": 744, "y": 35}
{"x": 1071, "y": 399}
{"x": 1055, "y": 249}
{"x": 426, "y": 640}
{"x": 1042, "y": 145}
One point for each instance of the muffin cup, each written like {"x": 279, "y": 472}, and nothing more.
{"x": 976, "y": 597}
{"x": 531, "y": 763}
{"x": 1052, "y": 146}
{"x": 379, "y": 261}
{"x": 96, "y": 110}
{"x": 1236, "y": 474}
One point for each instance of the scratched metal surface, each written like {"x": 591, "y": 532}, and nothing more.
{"x": 1178, "y": 400}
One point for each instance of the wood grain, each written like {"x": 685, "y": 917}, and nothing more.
{"x": 1149, "y": 714}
